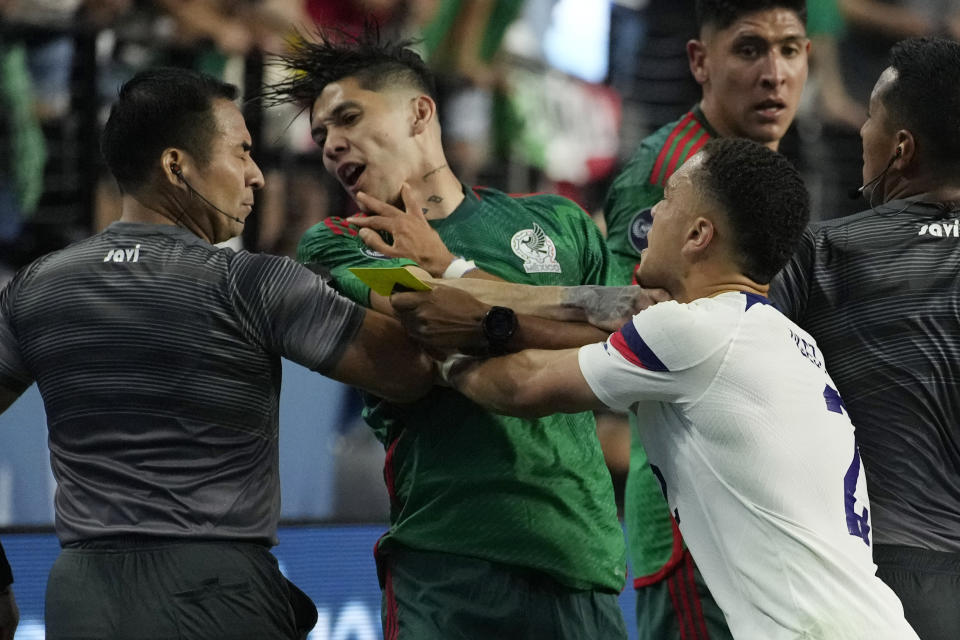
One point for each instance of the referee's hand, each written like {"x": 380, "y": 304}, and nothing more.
{"x": 9, "y": 614}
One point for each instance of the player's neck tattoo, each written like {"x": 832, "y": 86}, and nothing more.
{"x": 433, "y": 171}
{"x": 435, "y": 199}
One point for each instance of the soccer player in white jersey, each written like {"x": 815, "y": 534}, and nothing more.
{"x": 742, "y": 423}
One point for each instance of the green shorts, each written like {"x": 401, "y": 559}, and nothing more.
{"x": 159, "y": 589}
{"x": 679, "y": 607}
{"x": 439, "y": 596}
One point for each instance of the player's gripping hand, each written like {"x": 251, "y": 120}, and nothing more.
{"x": 413, "y": 237}
{"x": 443, "y": 319}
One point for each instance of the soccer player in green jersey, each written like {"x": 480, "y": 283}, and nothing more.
{"x": 751, "y": 61}
{"x": 501, "y": 527}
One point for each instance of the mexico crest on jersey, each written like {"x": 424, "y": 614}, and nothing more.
{"x": 536, "y": 249}
{"x": 639, "y": 228}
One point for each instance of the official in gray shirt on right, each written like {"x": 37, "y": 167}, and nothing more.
{"x": 157, "y": 354}
{"x": 879, "y": 292}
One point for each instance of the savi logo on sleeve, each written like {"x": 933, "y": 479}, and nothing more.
{"x": 949, "y": 229}
{"x": 131, "y": 254}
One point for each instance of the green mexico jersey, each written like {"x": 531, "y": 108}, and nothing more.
{"x": 652, "y": 538}
{"x": 527, "y": 493}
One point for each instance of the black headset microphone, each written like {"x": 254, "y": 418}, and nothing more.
{"x": 853, "y": 194}
{"x": 177, "y": 171}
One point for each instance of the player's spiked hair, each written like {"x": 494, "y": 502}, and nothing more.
{"x": 764, "y": 198}
{"x": 925, "y": 96}
{"x": 720, "y": 14}
{"x": 316, "y": 59}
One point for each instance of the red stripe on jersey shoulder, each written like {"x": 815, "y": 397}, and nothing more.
{"x": 618, "y": 343}
{"x": 664, "y": 155}
{"x": 679, "y": 157}
{"x": 339, "y": 226}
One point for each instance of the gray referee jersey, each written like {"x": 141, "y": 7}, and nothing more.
{"x": 158, "y": 359}
{"x": 879, "y": 292}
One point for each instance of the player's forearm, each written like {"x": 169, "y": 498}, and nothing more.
{"x": 541, "y": 333}
{"x": 528, "y": 384}
{"x": 544, "y": 302}
{"x": 506, "y": 385}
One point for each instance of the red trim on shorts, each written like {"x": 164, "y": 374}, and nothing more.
{"x": 697, "y": 612}
{"x": 391, "y": 624}
{"x": 676, "y": 556}
{"x": 685, "y": 613}
{"x": 389, "y": 474}
{"x": 676, "y": 607}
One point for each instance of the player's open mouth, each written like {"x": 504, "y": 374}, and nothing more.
{"x": 770, "y": 108}
{"x": 350, "y": 172}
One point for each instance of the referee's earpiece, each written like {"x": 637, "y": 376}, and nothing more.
{"x": 175, "y": 168}
{"x": 899, "y": 152}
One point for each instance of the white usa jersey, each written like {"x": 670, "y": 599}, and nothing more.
{"x": 757, "y": 459}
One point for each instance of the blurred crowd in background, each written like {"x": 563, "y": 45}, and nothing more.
{"x": 536, "y": 95}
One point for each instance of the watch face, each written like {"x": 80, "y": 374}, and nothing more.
{"x": 498, "y": 326}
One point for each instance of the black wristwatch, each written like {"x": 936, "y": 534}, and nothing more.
{"x": 499, "y": 325}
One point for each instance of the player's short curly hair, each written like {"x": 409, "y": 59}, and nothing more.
{"x": 156, "y": 109}
{"x": 720, "y": 14}
{"x": 764, "y": 199}
{"x": 316, "y": 59}
{"x": 925, "y": 96}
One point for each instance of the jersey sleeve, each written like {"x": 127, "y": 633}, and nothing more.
{"x": 331, "y": 247}
{"x": 292, "y": 312}
{"x": 14, "y": 374}
{"x": 626, "y": 213}
{"x": 790, "y": 288}
{"x": 667, "y": 353}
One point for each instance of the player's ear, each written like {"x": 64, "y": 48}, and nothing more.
{"x": 700, "y": 235}
{"x": 424, "y": 112}
{"x": 696, "y": 56}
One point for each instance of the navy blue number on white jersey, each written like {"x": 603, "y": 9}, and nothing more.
{"x": 858, "y": 524}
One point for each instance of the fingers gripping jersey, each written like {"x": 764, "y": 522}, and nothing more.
{"x": 525, "y": 493}
{"x": 758, "y": 464}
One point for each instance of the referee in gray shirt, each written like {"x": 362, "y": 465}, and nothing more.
{"x": 157, "y": 355}
{"x": 879, "y": 292}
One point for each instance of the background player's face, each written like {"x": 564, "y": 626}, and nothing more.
{"x": 230, "y": 177}
{"x": 877, "y": 133}
{"x": 366, "y": 137}
{"x": 661, "y": 264}
{"x": 753, "y": 74}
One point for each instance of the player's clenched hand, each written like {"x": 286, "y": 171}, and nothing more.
{"x": 9, "y": 615}
{"x": 443, "y": 318}
{"x": 413, "y": 237}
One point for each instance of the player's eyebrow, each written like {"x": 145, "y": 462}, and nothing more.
{"x": 333, "y": 116}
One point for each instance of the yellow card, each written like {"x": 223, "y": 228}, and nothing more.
{"x": 387, "y": 280}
